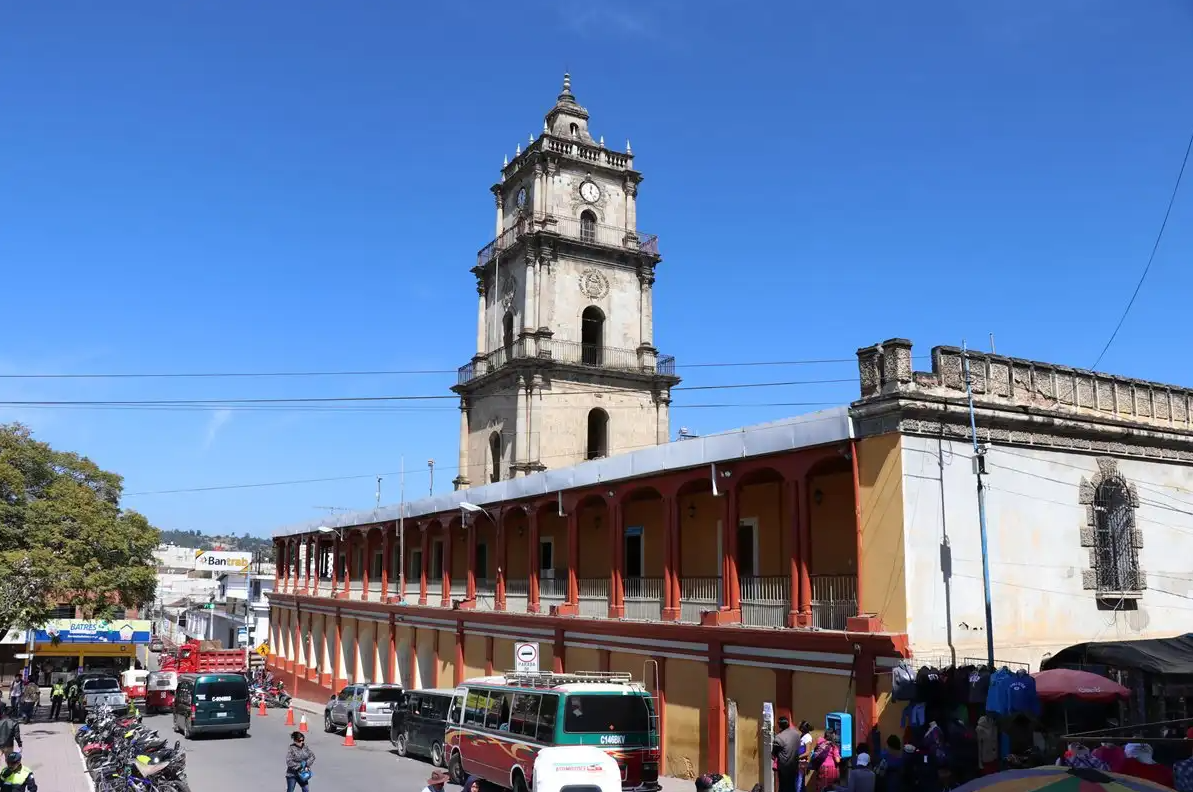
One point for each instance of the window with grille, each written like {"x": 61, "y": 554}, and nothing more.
{"x": 1114, "y": 543}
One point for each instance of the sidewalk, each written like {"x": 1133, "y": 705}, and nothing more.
{"x": 50, "y": 752}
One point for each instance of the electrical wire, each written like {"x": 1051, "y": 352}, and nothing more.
{"x": 1155, "y": 246}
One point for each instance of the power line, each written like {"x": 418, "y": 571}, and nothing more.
{"x": 398, "y": 398}
{"x": 1155, "y": 246}
{"x": 371, "y": 372}
{"x": 383, "y": 409}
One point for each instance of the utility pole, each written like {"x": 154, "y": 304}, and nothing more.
{"x": 979, "y": 470}
{"x": 431, "y": 467}
{"x": 378, "y": 492}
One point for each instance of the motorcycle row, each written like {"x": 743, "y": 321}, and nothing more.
{"x": 273, "y": 694}
{"x": 123, "y": 754}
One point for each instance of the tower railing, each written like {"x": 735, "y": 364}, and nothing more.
{"x": 599, "y": 234}
{"x": 638, "y": 361}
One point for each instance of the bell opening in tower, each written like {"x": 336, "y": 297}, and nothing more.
{"x": 495, "y": 455}
{"x": 587, "y": 226}
{"x": 598, "y": 434}
{"x": 507, "y": 334}
{"x": 592, "y": 336}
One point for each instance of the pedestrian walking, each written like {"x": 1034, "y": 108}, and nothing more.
{"x": 299, "y": 761}
{"x": 57, "y": 695}
{"x": 14, "y": 694}
{"x": 15, "y": 777}
{"x": 10, "y": 731}
{"x": 786, "y": 755}
{"x": 30, "y": 699}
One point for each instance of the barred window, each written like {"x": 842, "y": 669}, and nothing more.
{"x": 1114, "y": 548}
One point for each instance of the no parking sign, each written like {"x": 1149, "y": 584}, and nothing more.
{"x": 526, "y": 658}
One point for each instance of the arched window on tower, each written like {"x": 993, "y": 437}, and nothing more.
{"x": 1114, "y": 519}
{"x": 587, "y": 226}
{"x": 575, "y": 129}
{"x": 598, "y": 434}
{"x": 495, "y": 455}
{"x": 592, "y": 336}
{"x": 507, "y": 334}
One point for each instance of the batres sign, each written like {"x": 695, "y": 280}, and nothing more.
{"x": 223, "y": 560}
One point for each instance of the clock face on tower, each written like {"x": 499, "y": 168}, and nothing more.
{"x": 590, "y": 192}
{"x": 522, "y": 198}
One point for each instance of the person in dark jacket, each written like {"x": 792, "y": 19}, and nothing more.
{"x": 299, "y": 761}
{"x": 10, "y": 731}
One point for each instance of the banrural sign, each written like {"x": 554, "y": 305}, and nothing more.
{"x": 223, "y": 560}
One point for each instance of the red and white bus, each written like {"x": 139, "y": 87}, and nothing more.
{"x": 496, "y": 726}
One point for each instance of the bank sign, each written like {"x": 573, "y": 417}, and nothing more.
{"x": 223, "y": 560}
{"x": 94, "y": 631}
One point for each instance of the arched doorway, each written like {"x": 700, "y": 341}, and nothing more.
{"x": 598, "y": 434}
{"x": 592, "y": 336}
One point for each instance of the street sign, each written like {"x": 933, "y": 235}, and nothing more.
{"x": 242, "y": 636}
{"x": 263, "y": 649}
{"x": 22, "y": 655}
{"x": 526, "y": 658}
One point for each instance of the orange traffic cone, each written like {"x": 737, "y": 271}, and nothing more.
{"x": 302, "y": 724}
{"x": 348, "y": 740}
{"x": 261, "y": 709}
{"x": 289, "y": 716}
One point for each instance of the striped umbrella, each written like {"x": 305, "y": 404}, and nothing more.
{"x": 1059, "y": 779}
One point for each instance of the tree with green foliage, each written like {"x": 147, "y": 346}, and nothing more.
{"x": 64, "y": 538}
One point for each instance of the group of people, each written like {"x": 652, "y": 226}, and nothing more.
{"x": 25, "y": 697}
{"x": 15, "y": 777}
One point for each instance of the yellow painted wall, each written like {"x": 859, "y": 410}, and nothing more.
{"x": 347, "y": 648}
{"x": 750, "y": 688}
{"x": 882, "y": 582}
{"x": 648, "y": 515}
{"x": 813, "y": 696}
{"x": 834, "y": 537}
{"x": 446, "y": 658}
{"x": 594, "y": 542}
{"x": 579, "y": 659}
{"x": 517, "y": 540}
{"x": 889, "y": 712}
{"x": 503, "y": 656}
{"x": 428, "y": 659}
{"x": 546, "y": 656}
{"x": 698, "y": 551}
{"x": 474, "y": 656}
{"x": 763, "y": 502}
{"x": 552, "y": 526}
{"x": 687, "y": 718}
{"x": 367, "y": 651}
{"x": 381, "y": 661}
{"x": 403, "y": 649}
{"x": 634, "y": 665}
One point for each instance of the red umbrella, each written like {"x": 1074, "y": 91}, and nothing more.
{"x": 1062, "y": 683}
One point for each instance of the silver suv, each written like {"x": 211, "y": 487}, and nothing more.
{"x": 365, "y": 706}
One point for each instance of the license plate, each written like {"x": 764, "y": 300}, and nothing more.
{"x": 221, "y": 714}
{"x": 390, "y": 708}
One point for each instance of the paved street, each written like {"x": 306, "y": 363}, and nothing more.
{"x": 229, "y": 764}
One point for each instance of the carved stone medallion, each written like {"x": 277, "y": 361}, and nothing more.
{"x": 593, "y": 284}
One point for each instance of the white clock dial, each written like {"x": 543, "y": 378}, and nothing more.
{"x": 590, "y": 192}
{"x": 522, "y": 198}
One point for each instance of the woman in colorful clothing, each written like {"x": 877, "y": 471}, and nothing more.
{"x": 823, "y": 764}
{"x": 1079, "y": 755}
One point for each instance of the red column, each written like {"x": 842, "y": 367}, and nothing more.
{"x": 335, "y": 564}
{"x": 385, "y": 562}
{"x": 783, "y": 694}
{"x": 317, "y": 553}
{"x": 470, "y": 577}
{"x": 573, "y": 519}
{"x": 805, "y": 555}
{"x": 717, "y": 743}
{"x": 617, "y": 556}
{"x": 424, "y": 542}
{"x": 661, "y": 709}
{"x": 676, "y": 556}
{"x": 445, "y": 594}
{"x": 278, "y": 557}
{"x": 670, "y": 601}
{"x": 458, "y": 671}
{"x": 337, "y": 656}
{"x": 533, "y": 560}
{"x": 412, "y": 669}
{"x": 558, "y": 653}
{"x": 865, "y": 715}
{"x": 392, "y": 660}
{"x": 729, "y": 535}
{"x": 488, "y": 656}
{"x": 791, "y": 522}
{"x": 366, "y": 561}
{"x": 502, "y": 553}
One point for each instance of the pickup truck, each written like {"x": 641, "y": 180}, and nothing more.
{"x": 96, "y": 692}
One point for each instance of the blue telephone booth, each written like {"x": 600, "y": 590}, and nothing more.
{"x": 842, "y": 724}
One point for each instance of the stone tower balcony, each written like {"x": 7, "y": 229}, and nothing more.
{"x": 550, "y": 351}
{"x": 606, "y": 236}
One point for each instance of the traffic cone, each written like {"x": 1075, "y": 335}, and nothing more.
{"x": 289, "y": 716}
{"x": 348, "y": 740}
{"x": 261, "y": 710}
{"x": 302, "y": 724}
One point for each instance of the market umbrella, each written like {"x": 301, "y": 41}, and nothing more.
{"x": 1063, "y": 683}
{"x": 1059, "y": 779}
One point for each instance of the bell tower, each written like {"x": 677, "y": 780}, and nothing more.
{"x": 565, "y": 367}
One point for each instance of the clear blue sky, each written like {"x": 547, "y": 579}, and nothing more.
{"x": 279, "y": 186}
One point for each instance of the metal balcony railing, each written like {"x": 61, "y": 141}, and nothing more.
{"x": 569, "y": 228}
{"x": 572, "y": 353}
{"x": 834, "y": 599}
